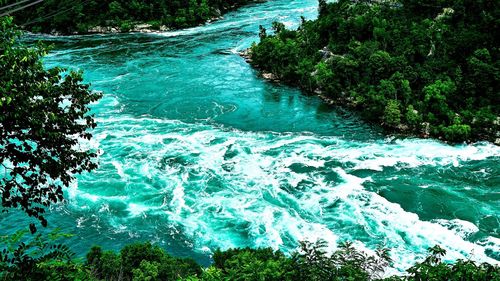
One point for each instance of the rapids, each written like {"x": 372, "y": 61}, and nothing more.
{"x": 197, "y": 152}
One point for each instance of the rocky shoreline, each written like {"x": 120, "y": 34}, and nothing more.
{"x": 404, "y": 131}
{"x": 136, "y": 28}
{"x": 143, "y": 27}
{"x": 246, "y": 54}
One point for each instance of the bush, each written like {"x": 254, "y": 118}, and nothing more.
{"x": 42, "y": 259}
{"x": 25, "y": 257}
{"x": 432, "y": 268}
{"x": 155, "y": 25}
{"x": 104, "y": 264}
{"x": 140, "y": 260}
{"x": 252, "y": 264}
{"x": 126, "y": 26}
{"x": 457, "y": 132}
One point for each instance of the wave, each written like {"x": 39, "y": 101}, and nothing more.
{"x": 222, "y": 187}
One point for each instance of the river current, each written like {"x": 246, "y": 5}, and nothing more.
{"x": 197, "y": 152}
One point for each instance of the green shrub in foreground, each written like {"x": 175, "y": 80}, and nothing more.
{"x": 45, "y": 258}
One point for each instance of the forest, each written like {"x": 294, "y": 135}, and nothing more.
{"x": 419, "y": 67}
{"x": 44, "y": 258}
{"x": 68, "y": 17}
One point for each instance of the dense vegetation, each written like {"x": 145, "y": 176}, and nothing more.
{"x": 39, "y": 259}
{"x": 43, "y": 115}
{"x": 427, "y": 67}
{"x": 66, "y": 16}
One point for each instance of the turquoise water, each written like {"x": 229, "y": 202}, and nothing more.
{"x": 197, "y": 152}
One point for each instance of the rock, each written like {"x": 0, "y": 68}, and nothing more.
{"x": 497, "y": 141}
{"x": 142, "y": 26}
{"x": 270, "y": 76}
{"x": 426, "y": 129}
{"x": 327, "y": 100}
{"x": 403, "y": 127}
{"x": 247, "y": 55}
{"x": 95, "y": 29}
{"x": 102, "y": 29}
{"x": 325, "y": 53}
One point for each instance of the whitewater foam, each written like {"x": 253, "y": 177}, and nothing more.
{"x": 227, "y": 188}
{"x": 198, "y": 153}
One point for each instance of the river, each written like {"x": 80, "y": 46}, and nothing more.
{"x": 197, "y": 152}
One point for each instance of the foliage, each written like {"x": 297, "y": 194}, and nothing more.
{"x": 39, "y": 257}
{"x": 417, "y": 66}
{"x": 46, "y": 259}
{"x": 347, "y": 263}
{"x": 252, "y": 264}
{"x": 139, "y": 261}
{"x": 432, "y": 268}
{"x": 44, "y": 114}
{"x": 147, "y": 271}
{"x": 66, "y": 16}
{"x": 105, "y": 265}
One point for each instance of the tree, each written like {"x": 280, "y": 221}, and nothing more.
{"x": 67, "y": 16}
{"x": 322, "y": 7}
{"x": 44, "y": 115}
{"x": 37, "y": 257}
{"x": 392, "y": 114}
{"x": 442, "y": 62}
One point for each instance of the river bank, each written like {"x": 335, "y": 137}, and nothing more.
{"x": 401, "y": 87}
{"x": 400, "y": 130}
{"x": 98, "y": 17}
{"x": 199, "y": 153}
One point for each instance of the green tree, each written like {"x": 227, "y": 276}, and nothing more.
{"x": 37, "y": 257}
{"x": 67, "y": 16}
{"x": 116, "y": 10}
{"x": 44, "y": 115}
{"x": 392, "y": 114}
{"x": 252, "y": 264}
{"x": 147, "y": 271}
{"x": 413, "y": 118}
{"x": 436, "y": 59}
